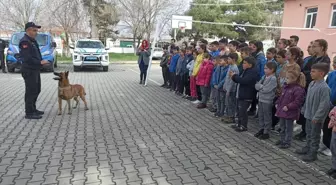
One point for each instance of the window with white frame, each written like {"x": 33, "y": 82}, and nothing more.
{"x": 311, "y": 16}
{"x": 333, "y": 16}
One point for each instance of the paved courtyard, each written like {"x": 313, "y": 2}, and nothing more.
{"x": 135, "y": 135}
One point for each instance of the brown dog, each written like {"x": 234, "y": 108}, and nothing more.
{"x": 66, "y": 91}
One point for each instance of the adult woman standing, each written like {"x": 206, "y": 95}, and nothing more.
{"x": 143, "y": 60}
{"x": 257, "y": 48}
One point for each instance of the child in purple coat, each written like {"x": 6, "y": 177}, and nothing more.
{"x": 289, "y": 104}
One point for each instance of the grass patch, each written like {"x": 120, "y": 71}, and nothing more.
{"x": 64, "y": 59}
{"x": 114, "y": 57}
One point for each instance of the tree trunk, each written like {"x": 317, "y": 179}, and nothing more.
{"x": 139, "y": 41}
{"x": 93, "y": 21}
{"x": 135, "y": 48}
{"x": 66, "y": 44}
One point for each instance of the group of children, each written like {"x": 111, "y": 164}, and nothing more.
{"x": 233, "y": 75}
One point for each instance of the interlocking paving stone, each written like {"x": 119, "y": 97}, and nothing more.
{"x": 135, "y": 135}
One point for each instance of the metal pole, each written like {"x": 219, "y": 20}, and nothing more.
{"x": 157, "y": 31}
{"x": 175, "y": 34}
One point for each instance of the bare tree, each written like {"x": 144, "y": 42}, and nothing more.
{"x": 133, "y": 16}
{"x": 67, "y": 15}
{"x": 141, "y": 15}
{"x": 174, "y": 7}
{"x": 16, "y": 13}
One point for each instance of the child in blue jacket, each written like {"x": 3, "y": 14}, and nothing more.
{"x": 219, "y": 80}
{"x": 213, "y": 90}
{"x": 172, "y": 68}
{"x": 185, "y": 81}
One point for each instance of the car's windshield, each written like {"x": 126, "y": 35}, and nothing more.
{"x": 41, "y": 39}
{"x": 89, "y": 44}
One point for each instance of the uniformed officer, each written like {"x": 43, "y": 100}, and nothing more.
{"x": 3, "y": 44}
{"x": 30, "y": 69}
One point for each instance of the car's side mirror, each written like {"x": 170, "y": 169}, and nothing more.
{"x": 107, "y": 48}
{"x": 53, "y": 44}
{"x": 71, "y": 47}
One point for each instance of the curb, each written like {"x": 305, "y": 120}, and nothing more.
{"x": 126, "y": 62}
{"x": 114, "y": 62}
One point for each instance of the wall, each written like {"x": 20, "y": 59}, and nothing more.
{"x": 121, "y": 50}
{"x": 295, "y": 14}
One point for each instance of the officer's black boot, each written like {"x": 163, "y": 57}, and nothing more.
{"x": 38, "y": 112}
{"x": 33, "y": 116}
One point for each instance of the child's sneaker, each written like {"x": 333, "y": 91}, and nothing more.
{"x": 201, "y": 106}
{"x": 310, "y": 157}
{"x": 241, "y": 129}
{"x": 191, "y": 98}
{"x": 276, "y": 131}
{"x": 229, "y": 120}
{"x": 331, "y": 171}
{"x": 196, "y": 102}
{"x": 234, "y": 126}
{"x": 302, "y": 151}
{"x": 279, "y": 142}
{"x": 326, "y": 152}
{"x": 300, "y": 137}
{"x": 333, "y": 175}
{"x": 212, "y": 109}
{"x": 284, "y": 146}
{"x": 224, "y": 118}
{"x": 264, "y": 136}
{"x": 259, "y": 133}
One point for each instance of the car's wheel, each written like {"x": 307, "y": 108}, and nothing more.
{"x": 52, "y": 68}
{"x": 55, "y": 62}
{"x": 105, "y": 68}
{"x": 11, "y": 70}
{"x": 76, "y": 68}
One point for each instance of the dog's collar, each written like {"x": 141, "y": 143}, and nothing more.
{"x": 65, "y": 88}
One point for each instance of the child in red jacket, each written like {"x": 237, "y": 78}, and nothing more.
{"x": 203, "y": 79}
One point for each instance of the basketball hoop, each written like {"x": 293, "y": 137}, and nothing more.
{"x": 182, "y": 26}
{"x": 182, "y": 29}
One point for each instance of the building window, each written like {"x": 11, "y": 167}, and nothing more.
{"x": 333, "y": 16}
{"x": 311, "y": 17}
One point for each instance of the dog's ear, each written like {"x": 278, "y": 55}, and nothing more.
{"x": 67, "y": 73}
{"x": 56, "y": 74}
{"x": 57, "y": 78}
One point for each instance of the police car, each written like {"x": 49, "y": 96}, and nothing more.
{"x": 47, "y": 48}
{"x": 89, "y": 53}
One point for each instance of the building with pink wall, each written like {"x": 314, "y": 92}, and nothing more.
{"x": 320, "y": 14}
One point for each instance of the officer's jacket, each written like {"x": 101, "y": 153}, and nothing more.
{"x": 2, "y": 45}
{"x": 30, "y": 53}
